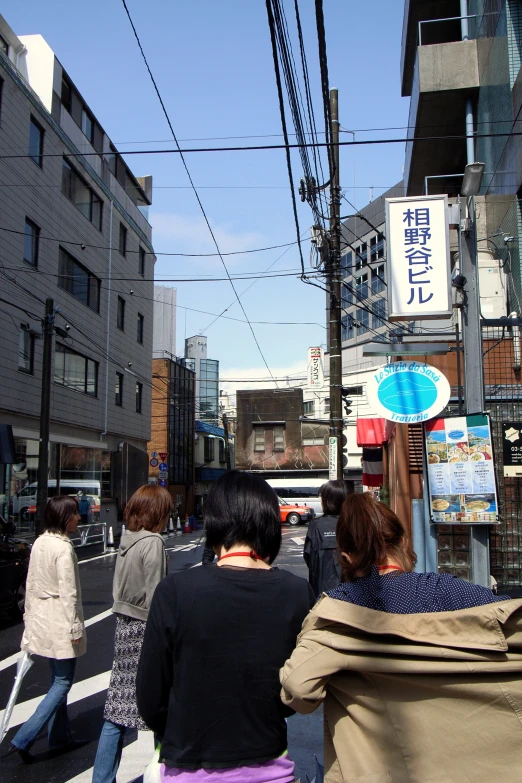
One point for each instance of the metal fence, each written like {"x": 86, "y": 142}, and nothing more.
{"x": 503, "y": 394}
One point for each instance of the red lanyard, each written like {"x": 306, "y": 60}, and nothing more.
{"x": 388, "y": 567}
{"x": 251, "y": 554}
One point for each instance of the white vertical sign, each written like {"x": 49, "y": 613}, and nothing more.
{"x": 418, "y": 258}
{"x": 332, "y": 458}
{"x": 315, "y": 368}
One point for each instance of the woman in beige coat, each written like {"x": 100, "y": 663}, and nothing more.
{"x": 420, "y": 674}
{"x": 54, "y": 625}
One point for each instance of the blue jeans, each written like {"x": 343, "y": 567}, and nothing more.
{"x": 108, "y": 755}
{"x": 51, "y": 710}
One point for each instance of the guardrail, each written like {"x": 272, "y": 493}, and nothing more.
{"x": 89, "y": 535}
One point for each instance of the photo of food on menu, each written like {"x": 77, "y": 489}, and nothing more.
{"x": 461, "y": 472}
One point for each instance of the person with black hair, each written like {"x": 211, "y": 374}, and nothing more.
{"x": 216, "y": 637}
{"x": 320, "y": 549}
{"x": 54, "y": 627}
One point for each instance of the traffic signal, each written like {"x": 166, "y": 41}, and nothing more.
{"x": 344, "y": 442}
{"x": 346, "y": 401}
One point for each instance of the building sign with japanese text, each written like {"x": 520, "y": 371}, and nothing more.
{"x": 315, "y": 368}
{"x": 418, "y": 258}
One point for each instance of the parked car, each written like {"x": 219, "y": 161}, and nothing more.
{"x": 14, "y": 563}
{"x": 295, "y": 514}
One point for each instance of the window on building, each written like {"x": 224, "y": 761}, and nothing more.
{"x": 347, "y": 327}
{"x": 78, "y": 281}
{"x": 139, "y": 396}
{"x": 222, "y": 455}
{"x": 75, "y": 371}
{"x": 208, "y": 449}
{"x": 379, "y": 313}
{"x": 376, "y": 247}
{"x": 76, "y": 189}
{"x": 120, "y": 315}
{"x": 87, "y": 125}
{"x": 31, "y": 241}
{"x": 36, "y": 137}
{"x": 279, "y": 438}
{"x": 66, "y": 96}
{"x": 119, "y": 389}
{"x": 363, "y": 320}
{"x": 123, "y": 240}
{"x": 26, "y": 350}
{"x": 361, "y": 288}
{"x": 327, "y": 405}
{"x": 362, "y": 255}
{"x": 346, "y": 295}
{"x": 378, "y": 280}
{"x": 4, "y": 46}
{"x": 346, "y": 264}
{"x": 141, "y": 261}
{"x": 309, "y": 407}
{"x": 259, "y": 438}
{"x": 141, "y": 321}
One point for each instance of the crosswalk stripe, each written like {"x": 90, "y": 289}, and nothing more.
{"x": 299, "y": 541}
{"x": 134, "y": 759}
{"x": 80, "y": 690}
{"x": 12, "y": 659}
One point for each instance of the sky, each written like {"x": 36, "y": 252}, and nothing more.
{"x": 212, "y": 61}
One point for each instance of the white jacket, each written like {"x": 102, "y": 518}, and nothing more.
{"x": 53, "y": 605}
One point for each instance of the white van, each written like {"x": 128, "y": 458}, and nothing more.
{"x": 25, "y": 499}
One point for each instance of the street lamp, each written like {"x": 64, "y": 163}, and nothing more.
{"x": 472, "y": 181}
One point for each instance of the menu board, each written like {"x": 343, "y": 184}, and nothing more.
{"x": 461, "y": 470}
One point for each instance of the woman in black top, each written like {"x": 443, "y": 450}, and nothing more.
{"x": 320, "y": 549}
{"x": 216, "y": 637}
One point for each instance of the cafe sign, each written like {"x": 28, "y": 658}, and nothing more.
{"x": 408, "y": 392}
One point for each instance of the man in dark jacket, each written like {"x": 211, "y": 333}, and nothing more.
{"x": 320, "y": 549}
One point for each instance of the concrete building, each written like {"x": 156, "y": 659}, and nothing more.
{"x": 207, "y": 378}
{"x": 164, "y": 332}
{"x": 73, "y": 228}
{"x": 172, "y": 439}
{"x": 461, "y": 68}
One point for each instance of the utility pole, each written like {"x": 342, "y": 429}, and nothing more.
{"x": 45, "y": 413}
{"x": 227, "y": 442}
{"x": 473, "y": 367}
{"x": 333, "y": 269}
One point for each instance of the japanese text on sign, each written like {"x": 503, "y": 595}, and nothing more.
{"x": 418, "y": 258}
{"x": 315, "y": 368}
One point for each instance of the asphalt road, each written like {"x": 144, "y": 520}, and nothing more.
{"x": 87, "y": 697}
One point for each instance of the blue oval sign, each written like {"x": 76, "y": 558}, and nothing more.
{"x": 408, "y": 391}
{"x": 405, "y": 393}
{"x": 456, "y": 434}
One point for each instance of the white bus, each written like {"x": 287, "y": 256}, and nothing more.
{"x": 300, "y": 490}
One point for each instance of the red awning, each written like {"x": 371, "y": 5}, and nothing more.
{"x": 371, "y": 432}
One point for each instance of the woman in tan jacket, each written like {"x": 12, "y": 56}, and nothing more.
{"x": 420, "y": 674}
{"x": 54, "y": 625}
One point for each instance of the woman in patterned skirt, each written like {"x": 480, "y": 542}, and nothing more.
{"x": 140, "y": 565}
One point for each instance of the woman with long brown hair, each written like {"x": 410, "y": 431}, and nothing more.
{"x": 420, "y": 673}
{"x": 140, "y": 565}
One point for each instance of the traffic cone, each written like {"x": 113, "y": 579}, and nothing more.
{"x": 110, "y": 538}
{"x": 187, "y": 524}
{"x": 171, "y": 526}
{"x": 123, "y": 530}
{"x": 179, "y": 531}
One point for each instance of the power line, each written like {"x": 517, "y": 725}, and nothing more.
{"x": 357, "y": 143}
{"x": 192, "y": 183}
{"x": 84, "y": 245}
